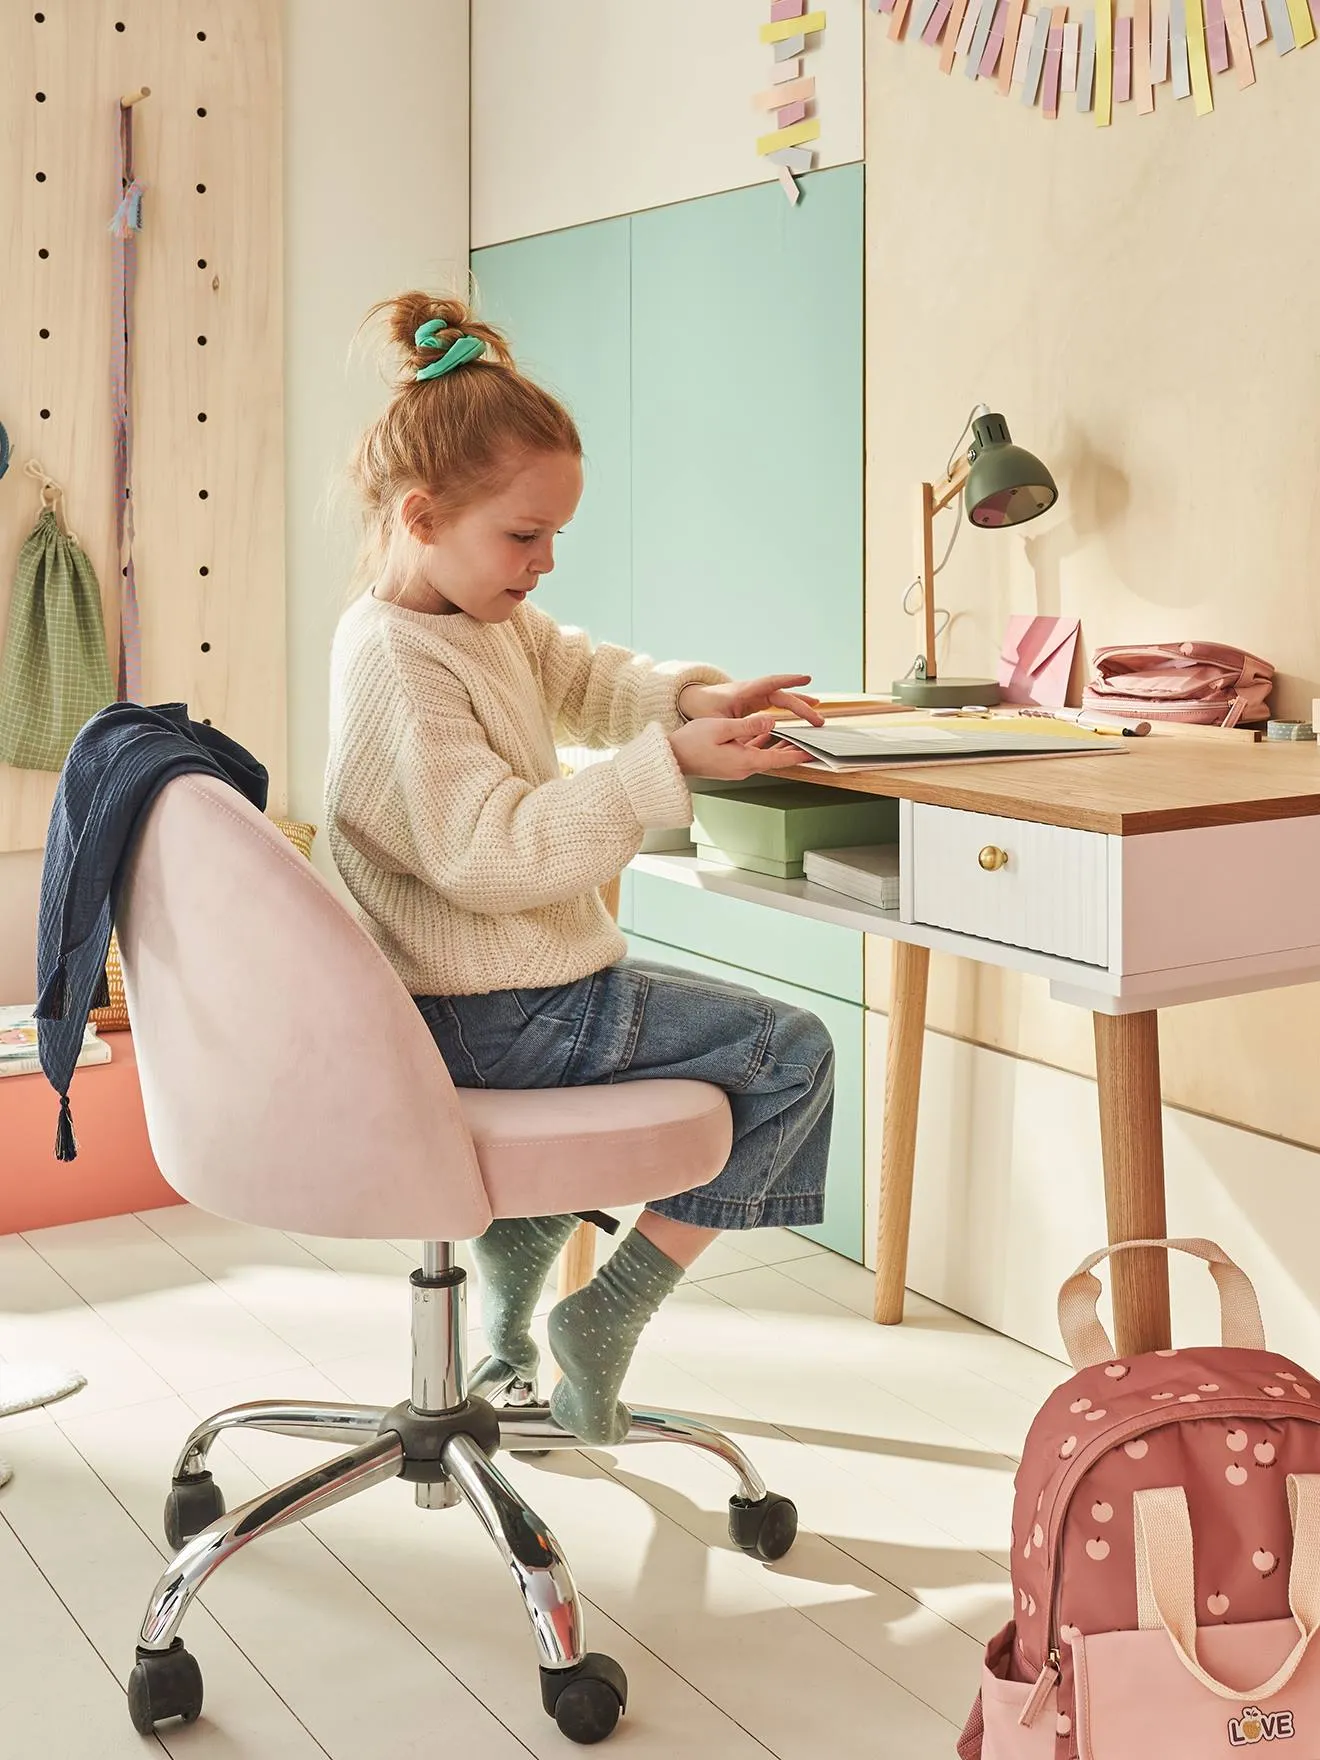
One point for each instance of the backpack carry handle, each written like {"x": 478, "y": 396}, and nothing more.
{"x": 1166, "y": 1581}
{"x": 1087, "y": 1342}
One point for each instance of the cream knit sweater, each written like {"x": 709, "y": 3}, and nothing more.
{"x": 475, "y": 865}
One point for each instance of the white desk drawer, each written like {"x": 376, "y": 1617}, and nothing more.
{"x": 1051, "y": 894}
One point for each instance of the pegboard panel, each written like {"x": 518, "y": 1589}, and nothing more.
{"x": 208, "y": 339}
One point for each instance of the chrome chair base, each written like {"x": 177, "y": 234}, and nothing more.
{"x": 448, "y": 1456}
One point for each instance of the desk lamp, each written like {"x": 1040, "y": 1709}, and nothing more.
{"x": 1001, "y": 485}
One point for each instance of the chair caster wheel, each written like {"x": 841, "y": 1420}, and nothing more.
{"x": 164, "y": 1684}
{"x": 193, "y": 1504}
{"x": 766, "y": 1529}
{"x": 588, "y": 1700}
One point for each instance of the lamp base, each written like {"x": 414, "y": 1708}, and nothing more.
{"x": 946, "y": 693}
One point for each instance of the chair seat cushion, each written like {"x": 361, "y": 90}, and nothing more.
{"x": 551, "y": 1151}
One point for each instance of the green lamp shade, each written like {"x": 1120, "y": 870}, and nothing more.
{"x": 1006, "y": 485}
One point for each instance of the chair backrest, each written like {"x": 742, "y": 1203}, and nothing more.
{"x": 287, "y": 1076}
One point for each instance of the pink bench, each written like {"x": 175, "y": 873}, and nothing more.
{"x": 115, "y": 1171}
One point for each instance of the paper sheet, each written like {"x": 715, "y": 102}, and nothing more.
{"x": 1012, "y": 31}
{"x": 782, "y": 9}
{"x": 795, "y": 159}
{"x": 1072, "y": 44}
{"x": 1022, "y": 54}
{"x": 1236, "y": 26}
{"x": 898, "y": 20}
{"x": 790, "y": 48}
{"x": 1197, "y": 60}
{"x": 783, "y": 29}
{"x": 1178, "y": 65}
{"x": 980, "y": 37}
{"x": 970, "y": 20}
{"x": 1123, "y": 58}
{"x": 790, "y": 92}
{"x": 938, "y": 19}
{"x": 1086, "y": 65}
{"x": 994, "y": 47}
{"x": 785, "y": 72}
{"x": 790, "y": 114}
{"x": 1159, "y": 40}
{"x": 1142, "y": 90}
{"x": 1036, "y": 60}
{"x": 949, "y": 47}
{"x": 789, "y": 184}
{"x": 1104, "y": 63}
{"x": 797, "y": 136}
{"x": 1302, "y": 22}
{"x": 1053, "y": 64}
{"x": 1257, "y": 29}
{"x": 922, "y": 13}
{"x": 1216, "y": 35}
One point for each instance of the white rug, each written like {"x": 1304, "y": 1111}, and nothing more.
{"x": 23, "y": 1386}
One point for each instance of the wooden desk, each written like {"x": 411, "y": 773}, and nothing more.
{"x": 1167, "y": 872}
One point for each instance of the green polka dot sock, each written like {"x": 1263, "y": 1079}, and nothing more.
{"x": 594, "y": 1332}
{"x": 513, "y": 1258}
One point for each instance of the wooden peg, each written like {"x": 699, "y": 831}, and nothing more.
{"x": 130, "y": 98}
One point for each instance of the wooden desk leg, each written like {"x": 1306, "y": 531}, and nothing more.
{"x": 1127, "y": 1058}
{"x": 907, "y": 1031}
{"x": 577, "y": 1262}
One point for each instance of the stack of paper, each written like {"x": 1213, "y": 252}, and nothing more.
{"x": 850, "y": 746}
{"x": 18, "y": 1043}
{"x": 869, "y": 872}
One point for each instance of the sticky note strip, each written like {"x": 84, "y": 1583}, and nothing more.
{"x": 1159, "y": 40}
{"x": 1086, "y": 64}
{"x": 1104, "y": 63}
{"x": 790, "y": 114}
{"x": 1036, "y": 60}
{"x": 980, "y": 37}
{"x": 783, "y": 72}
{"x": 783, "y": 29}
{"x": 882, "y": 5}
{"x": 1281, "y": 25}
{"x": 1302, "y": 23}
{"x": 1012, "y": 31}
{"x": 1142, "y": 89}
{"x": 1197, "y": 60}
{"x": 950, "y": 44}
{"x": 797, "y": 159}
{"x": 970, "y": 20}
{"x": 1178, "y": 70}
{"x": 1236, "y": 25}
{"x": 1049, "y": 100}
{"x": 1072, "y": 45}
{"x": 922, "y": 13}
{"x": 781, "y": 9}
{"x": 898, "y": 20}
{"x": 1022, "y": 54}
{"x": 1216, "y": 35}
{"x": 1257, "y": 29}
{"x": 793, "y": 92}
{"x": 938, "y": 19}
{"x": 789, "y": 183}
{"x": 1123, "y": 59}
{"x": 994, "y": 47}
{"x": 790, "y": 48}
{"x": 797, "y": 136}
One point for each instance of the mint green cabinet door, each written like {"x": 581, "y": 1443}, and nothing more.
{"x": 563, "y": 301}
{"x": 841, "y": 1230}
{"x": 747, "y": 430}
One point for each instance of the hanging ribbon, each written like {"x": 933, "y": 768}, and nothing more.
{"x": 124, "y": 229}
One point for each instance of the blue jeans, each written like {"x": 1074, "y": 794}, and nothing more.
{"x": 637, "y": 1020}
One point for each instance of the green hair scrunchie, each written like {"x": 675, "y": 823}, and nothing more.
{"x": 467, "y": 348}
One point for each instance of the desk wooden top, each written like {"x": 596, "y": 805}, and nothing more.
{"x": 1146, "y": 785}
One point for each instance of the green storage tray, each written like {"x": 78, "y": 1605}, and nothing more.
{"x": 780, "y": 824}
{"x": 727, "y": 858}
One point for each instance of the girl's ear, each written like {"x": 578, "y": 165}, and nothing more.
{"x": 418, "y": 516}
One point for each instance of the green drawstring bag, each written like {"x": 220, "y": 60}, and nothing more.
{"x": 54, "y": 673}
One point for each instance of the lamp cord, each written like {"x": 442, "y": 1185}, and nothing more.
{"x": 914, "y": 608}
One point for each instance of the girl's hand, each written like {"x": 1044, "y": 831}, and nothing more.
{"x": 731, "y": 749}
{"x": 750, "y": 695}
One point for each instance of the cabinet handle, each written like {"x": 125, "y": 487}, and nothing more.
{"x": 991, "y": 858}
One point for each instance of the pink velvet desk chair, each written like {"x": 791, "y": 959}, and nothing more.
{"x": 289, "y": 1081}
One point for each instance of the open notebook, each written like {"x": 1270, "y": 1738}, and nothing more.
{"x": 842, "y": 745}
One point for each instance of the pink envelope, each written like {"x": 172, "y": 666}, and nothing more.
{"x": 1036, "y": 660}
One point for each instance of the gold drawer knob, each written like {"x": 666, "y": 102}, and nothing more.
{"x": 991, "y": 858}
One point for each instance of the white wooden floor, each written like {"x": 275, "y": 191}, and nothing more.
{"x": 382, "y": 1632}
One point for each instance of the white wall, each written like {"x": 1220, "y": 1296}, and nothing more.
{"x": 376, "y": 201}
{"x": 601, "y": 107}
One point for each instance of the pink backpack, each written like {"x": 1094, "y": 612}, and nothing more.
{"x": 1166, "y": 1551}
{"x": 1181, "y": 681}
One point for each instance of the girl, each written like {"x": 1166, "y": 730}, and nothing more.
{"x": 478, "y": 867}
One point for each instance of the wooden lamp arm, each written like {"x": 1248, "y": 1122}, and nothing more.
{"x": 933, "y": 498}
